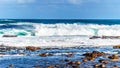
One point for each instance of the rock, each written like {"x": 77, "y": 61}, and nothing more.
{"x": 67, "y": 60}
{"x": 9, "y": 36}
{"x": 75, "y": 67}
{"x": 84, "y": 60}
{"x": 50, "y": 67}
{"x": 32, "y": 48}
{"x": 94, "y": 37}
{"x": 96, "y": 65}
{"x": 37, "y": 66}
{"x": 43, "y": 54}
{"x": 103, "y": 61}
{"x": 69, "y": 54}
{"x": 57, "y": 65}
{"x": 115, "y": 66}
{"x": 77, "y": 62}
{"x": 116, "y": 46}
{"x": 71, "y": 63}
{"x": 115, "y": 56}
{"x": 102, "y": 66}
{"x": 11, "y": 66}
{"x": 93, "y": 55}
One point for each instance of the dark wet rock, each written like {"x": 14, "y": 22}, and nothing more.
{"x": 32, "y": 48}
{"x": 103, "y": 61}
{"x": 115, "y": 56}
{"x": 102, "y": 66}
{"x": 67, "y": 60}
{"x": 57, "y": 65}
{"x": 71, "y": 63}
{"x": 38, "y": 66}
{"x": 93, "y": 55}
{"x": 115, "y": 66}
{"x": 9, "y": 36}
{"x": 116, "y": 46}
{"x": 75, "y": 67}
{"x": 94, "y": 37}
{"x": 45, "y": 54}
{"x": 11, "y": 66}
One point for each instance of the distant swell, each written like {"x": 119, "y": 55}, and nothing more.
{"x": 38, "y": 29}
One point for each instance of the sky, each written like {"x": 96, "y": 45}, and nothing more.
{"x": 60, "y": 9}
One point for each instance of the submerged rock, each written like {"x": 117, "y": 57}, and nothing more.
{"x": 115, "y": 66}
{"x": 45, "y": 54}
{"x": 37, "y": 66}
{"x": 11, "y": 66}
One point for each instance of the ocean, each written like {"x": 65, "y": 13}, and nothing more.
{"x": 61, "y": 39}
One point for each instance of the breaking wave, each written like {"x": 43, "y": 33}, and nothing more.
{"x": 60, "y": 29}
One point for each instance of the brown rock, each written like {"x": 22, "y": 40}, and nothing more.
{"x": 50, "y": 67}
{"x": 77, "y": 62}
{"x": 114, "y": 57}
{"x": 116, "y": 46}
{"x": 93, "y": 55}
{"x": 43, "y": 54}
{"x": 102, "y": 66}
{"x": 96, "y": 65}
{"x": 84, "y": 60}
{"x": 75, "y": 67}
{"x": 32, "y": 48}
{"x": 103, "y": 61}
{"x": 71, "y": 63}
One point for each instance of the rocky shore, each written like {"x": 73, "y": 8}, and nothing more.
{"x": 74, "y": 57}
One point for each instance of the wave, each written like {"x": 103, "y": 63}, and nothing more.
{"x": 39, "y": 29}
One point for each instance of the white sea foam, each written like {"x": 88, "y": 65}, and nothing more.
{"x": 59, "y": 35}
{"x": 37, "y": 29}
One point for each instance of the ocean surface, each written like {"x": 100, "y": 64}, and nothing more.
{"x": 57, "y": 37}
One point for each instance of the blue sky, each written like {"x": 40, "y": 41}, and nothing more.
{"x": 60, "y": 9}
